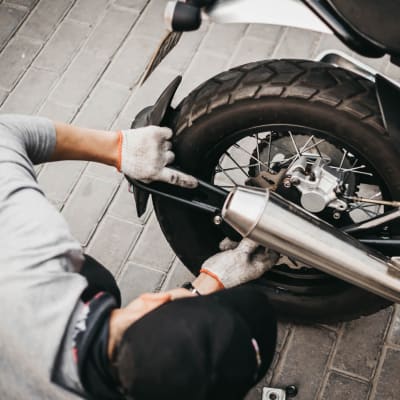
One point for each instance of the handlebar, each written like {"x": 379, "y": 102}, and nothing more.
{"x": 183, "y": 16}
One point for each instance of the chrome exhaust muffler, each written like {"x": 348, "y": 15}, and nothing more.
{"x": 272, "y": 221}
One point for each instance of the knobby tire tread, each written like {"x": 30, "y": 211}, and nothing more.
{"x": 308, "y": 80}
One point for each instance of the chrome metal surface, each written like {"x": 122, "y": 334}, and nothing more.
{"x": 218, "y": 220}
{"x": 286, "y": 228}
{"x": 343, "y": 60}
{"x": 317, "y": 184}
{"x": 374, "y": 222}
{"x": 283, "y": 12}
{"x": 245, "y": 206}
{"x": 273, "y": 394}
{"x": 372, "y": 201}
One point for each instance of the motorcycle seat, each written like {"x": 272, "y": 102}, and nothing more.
{"x": 377, "y": 20}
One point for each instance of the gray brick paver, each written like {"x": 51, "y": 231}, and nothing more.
{"x": 79, "y": 79}
{"x": 152, "y": 248}
{"x": 269, "y": 33}
{"x": 129, "y": 63}
{"x": 254, "y": 46}
{"x": 86, "y": 206}
{"x": 19, "y": 53}
{"x": 223, "y": 39}
{"x": 110, "y": 32}
{"x": 359, "y": 347}
{"x": 59, "y": 178}
{"x": 297, "y": 43}
{"x": 63, "y": 45}
{"x": 25, "y": 3}
{"x": 88, "y": 11}
{"x": 123, "y": 206}
{"x": 10, "y": 19}
{"x": 103, "y": 105}
{"x": 136, "y": 280}
{"x": 304, "y": 360}
{"x": 388, "y": 379}
{"x": 343, "y": 387}
{"x": 103, "y": 171}
{"x": 3, "y": 95}
{"x": 111, "y": 242}
{"x": 31, "y": 92}
{"x": 394, "y": 331}
{"x": 204, "y": 66}
{"x": 182, "y": 55}
{"x": 57, "y": 112}
{"x": 135, "y": 4}
{"x": 43, "y": 21}
{"x": 151, "y": 22}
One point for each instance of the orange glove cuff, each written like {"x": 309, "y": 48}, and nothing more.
{"x": 119, "y": 161}
{"x": 205, "y": 271}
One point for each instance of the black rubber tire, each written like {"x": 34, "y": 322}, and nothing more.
{"x": 296, "y": 92}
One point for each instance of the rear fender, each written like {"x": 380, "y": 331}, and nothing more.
{"x": 292, "y": 13}
{"x": 388, "y": 93}
{"x": 158, "y": 114}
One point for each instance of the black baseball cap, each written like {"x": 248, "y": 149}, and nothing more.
{"x": 206, "y": 347}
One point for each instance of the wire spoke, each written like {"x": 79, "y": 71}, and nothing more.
{"x": 269, "y": 150}
{"x": 304, "y": 149}
{"x": 343, "y": 158}
{"x": 227, "y": 175}
{"x": 294, "y": 144}
{"x": 353, "y": 170}
{"x": 235, "y": 168}
{"x": 314, "y": 144}
{"x": 316, "y": 148}
{"x": 311, "y": 138}
{"x": 364, "y": 205}
{"x": 258, "y": 151}
{"x": 251, "y": 155}
{"x": 237, "y": 164}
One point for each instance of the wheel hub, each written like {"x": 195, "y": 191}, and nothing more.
{"x": 311, "y": 179}
{"x": 319, "y": 185}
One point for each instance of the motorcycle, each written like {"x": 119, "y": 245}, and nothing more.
{"x": 299, "y": 155}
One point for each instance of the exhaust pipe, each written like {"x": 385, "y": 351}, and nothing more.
{"x": 272, "y": 221}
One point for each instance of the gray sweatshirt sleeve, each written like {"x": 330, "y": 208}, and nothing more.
{"x": 34, "y": 137}
{"x": 39, "y": 259}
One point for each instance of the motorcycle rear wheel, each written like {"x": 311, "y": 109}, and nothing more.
{"x": 300, "y": 95}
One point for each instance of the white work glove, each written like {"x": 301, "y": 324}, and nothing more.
{"x": 239, "y": 263}
{"x": 144, "y": 154}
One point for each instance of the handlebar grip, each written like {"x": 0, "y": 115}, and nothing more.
{"x": 200, "y": 3}
{"x": 183, "y": 17}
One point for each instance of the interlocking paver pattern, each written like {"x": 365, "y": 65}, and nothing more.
{"x": 80, "y": 61}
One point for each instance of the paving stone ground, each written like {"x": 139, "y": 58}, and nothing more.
{"x": 79, "y": 61}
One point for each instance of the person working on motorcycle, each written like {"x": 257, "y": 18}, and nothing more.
{"x": 62, "y": 333}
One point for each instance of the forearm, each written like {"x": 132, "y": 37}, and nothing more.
{"x": 75, "y": 143}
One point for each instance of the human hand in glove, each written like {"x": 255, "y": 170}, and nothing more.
{"x": 145, "y": 153}
{"x": 239, "y": 263}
